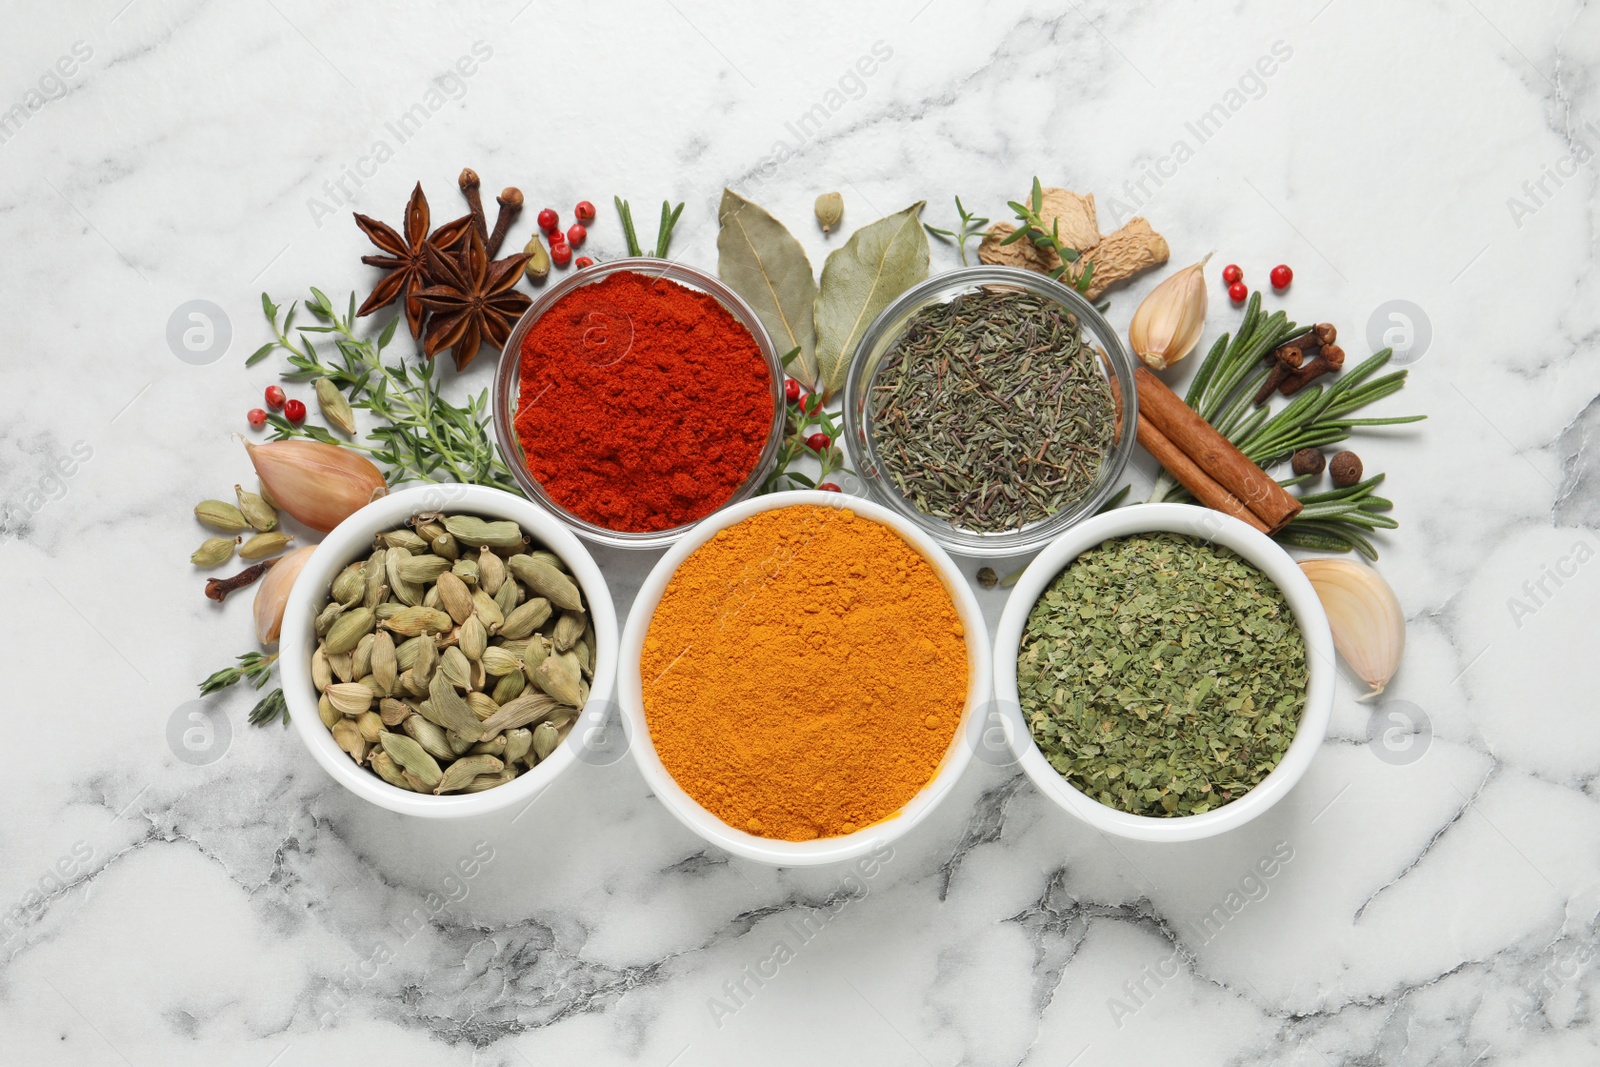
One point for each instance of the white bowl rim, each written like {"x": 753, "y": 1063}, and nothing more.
{"x": 352, "y": 540}
{"x": 820, "y": 850}
{"x": 1256, "y": 548}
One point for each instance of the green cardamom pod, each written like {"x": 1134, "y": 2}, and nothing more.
{"x": 263, "y": 545}
{"x": 491, "y": 571}
{"x": 387, "y": 769}
{"x": 408, "y": 754}
{"x": 375, "y": 574}
{"x": 568, "y": 629}
{"x": 466, "y": 570}
{"x": 394, "y": 712}
{"x": 493, "y": 746}
{"x": 830, "y": 211}
{"x": 446, "y": 546}
{"x": 560, "y": 676}
{"x": 518, "y": 742}
{"x": 482, "y": 705}
{"x": 454, "y": 596}
{"x": 427, "y": 659}
{"x": 489, "y": 781}
{"x": 370, "y": 726}
{"x": 347, "y": 735}
{"x": 487, "y": 610}
{"x": 405, "y": 653}
{"x": 450, "y": 710}
{"x": 473, "y": 639}
{"x": 464, "y": 770}
{"x": 429, "y": 736}
{"x": 454, "y": 666}
{"x": 385, "y": 661}
{"x": 220, "y": 515}
{"x": 346, "y": 633}
{"x": 509, "y": 688}
{"x": 408, "y": 593}
{"x": 545, "y": 739}
{"x": 327, "y": 617}
{"x": 256, "y": 511}
{"x": 403, "y": 538}
{"x": 410, "y": 622}
{"x": 343, "y": 666}
{"x": 413, "y": 685}
{"x": 321, "y": 673}
{"x": 504, "y": 535}
{"x": 349, "y": 698}
{"x": 335, "y": 408}
{"x": 427, "y": 526}
{"x": 525, "y": 618}
{"x": 327, "y": 712}
{"x": 530, "y": 707}
{"x": 423, "y": 569}
{"x": 507, "y": 599}
{"x": 500, "y": 663}
{"x": 351, "y": 585}
{"x": 547, "y": 580}
{"x": 213, "y": 552}
{"x": 458, "y": 744}
{"x": 538, "y": 265}
{"x": 430, "y": 599}
{"x": 361, "y": 662}
{"x": 538, "y": 648}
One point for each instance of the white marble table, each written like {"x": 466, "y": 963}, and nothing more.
{"x": 1435, "y": 907}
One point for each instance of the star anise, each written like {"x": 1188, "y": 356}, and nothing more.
{"x": 406, "y": 257}
{"x": 473, "y": 300}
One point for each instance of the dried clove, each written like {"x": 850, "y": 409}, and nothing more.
{"x": 469, "y": 189}
{"x": 510, "y": 201}
{"x": 218, "y": 588}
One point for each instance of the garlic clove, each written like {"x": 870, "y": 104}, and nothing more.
{"x": 273, "y": 593}
{"x": 1168, "y": 322}
{"x": 319, "y": 484}
{"x": 1369, "y": 629}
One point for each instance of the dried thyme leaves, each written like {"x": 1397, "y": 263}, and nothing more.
{"x": 991, "y": 412}
{"x": 1162, "y": 676}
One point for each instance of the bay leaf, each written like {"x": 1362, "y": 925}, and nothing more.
{"x": 761, "y": 261}
{"x": 880, "y": 261}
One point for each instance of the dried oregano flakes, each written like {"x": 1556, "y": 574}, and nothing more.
{"x": 1161, "y": 675}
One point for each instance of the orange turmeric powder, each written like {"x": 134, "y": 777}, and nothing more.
{"x": 804, "y": 673}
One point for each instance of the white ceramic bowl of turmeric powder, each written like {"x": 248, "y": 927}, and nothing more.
{"x": 798, "y": 674}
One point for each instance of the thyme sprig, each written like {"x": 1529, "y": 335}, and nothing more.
{"x": 1223, "y": 393}
{"x": 254, "y": 667}
{"x": 420, "y": 436}
{"x": 1033, "y": 228}
{"x": 971, "y": 226}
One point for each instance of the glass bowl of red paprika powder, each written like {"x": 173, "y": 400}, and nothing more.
{"x": 636, "y": 397}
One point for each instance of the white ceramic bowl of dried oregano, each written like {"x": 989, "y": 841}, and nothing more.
{"x": 352, "y": 541}
{"x": 1103, "y": 715}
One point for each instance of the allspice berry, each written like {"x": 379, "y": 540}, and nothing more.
{"x": 1308, "y": 461}
{"x": 1345, "y": 469}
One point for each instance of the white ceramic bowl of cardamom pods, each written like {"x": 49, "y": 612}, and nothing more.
{"x": 352, "y": 540}
{"x": 1009, "y": 721}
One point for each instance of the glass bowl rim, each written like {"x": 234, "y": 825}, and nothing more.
{"x": 943, "y": 287}
{"x": 508, "y": 371}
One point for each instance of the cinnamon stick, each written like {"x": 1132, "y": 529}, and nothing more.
{"x": 1212, "y": 453}
{"x": 1191, "y": 477}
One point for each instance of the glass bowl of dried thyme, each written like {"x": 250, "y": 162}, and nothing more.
{"x": 992, "y": 406}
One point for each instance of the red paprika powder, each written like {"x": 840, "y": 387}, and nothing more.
{"x": 643, "y": 404}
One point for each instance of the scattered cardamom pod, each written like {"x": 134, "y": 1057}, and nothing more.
{"x": 213, "y": 552}
{"x": 256, "y": 511}
{"x": 220, "y": 515}
{"x": 335, "y": 408}
{"x": 830, "y": 211}
{"x": 263, "y": 545}
{"x": 538, "y": 266}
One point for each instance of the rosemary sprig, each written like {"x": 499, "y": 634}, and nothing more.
{"x": 805, "y": 418}
{"x": 669, "y": 219}
{"x": 971, "y": 226}
{"x": 1223, "y": 392}
{"x": 420, "y": 436}
{"x": 1033, "y": 229}
{"x": 254, "y": 667}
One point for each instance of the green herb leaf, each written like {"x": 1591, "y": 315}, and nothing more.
{"x": 879, "y": 262}
{"x": 763, "y": 262}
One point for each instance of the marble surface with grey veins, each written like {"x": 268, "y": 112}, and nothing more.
{"x": 1429, "y": 171}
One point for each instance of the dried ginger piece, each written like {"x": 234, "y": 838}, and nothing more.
{"x": 1134, "y": 248}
